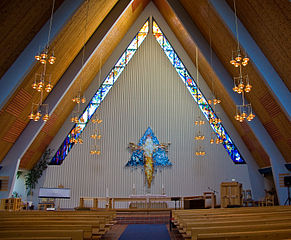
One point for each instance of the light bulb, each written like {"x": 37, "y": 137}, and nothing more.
{"x": 237, "y": 64}
{"x": 232, "y": 61}
{"x": 238, "y": 58}
{"x": 52, "y": 59}
{"x": 241, "y": 86}
{"x": 45, "y": 117}
{"x": 31, "y": 116}
{"x": 246, "y": 59}
{"x": 244, "y": 63}
{"x": 34, "y": 85}
{"x": 37, "y": 57}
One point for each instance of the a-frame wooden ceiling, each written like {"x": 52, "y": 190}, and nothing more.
{"x": 268, "y": 22}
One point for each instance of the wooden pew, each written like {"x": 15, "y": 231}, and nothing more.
{"x": 243, "y": 228}
{"x": 97, "y": 223}
{"x": 250, "y": 235}
{"x": 187, "y": 232}
{"x": 73, "y": 234}
{"x": 92, "y": 228}
{"x": 177, "y": 215}
{"x": 38, "y": 238}
{"x": 87, "y": 229}
{"x": 187, "y": 219}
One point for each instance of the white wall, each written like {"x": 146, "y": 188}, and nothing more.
{"x": 148, "y": 93}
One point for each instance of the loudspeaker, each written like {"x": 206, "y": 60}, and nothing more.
{"x": 287, "y": 181}
{"x": 194, "y": 203}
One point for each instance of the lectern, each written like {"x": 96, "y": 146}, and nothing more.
{"x": 231, "y": 194}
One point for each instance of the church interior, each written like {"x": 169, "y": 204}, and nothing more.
{"x": 139, "y": 119}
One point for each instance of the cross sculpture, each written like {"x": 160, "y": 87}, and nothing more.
{"x": 150, "y": 154}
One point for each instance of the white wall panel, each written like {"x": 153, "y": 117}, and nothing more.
{"x": 148, "y": 93}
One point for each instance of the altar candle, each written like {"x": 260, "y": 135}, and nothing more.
{"x": 133, "y": 186}
{"x": 107, "y": 192}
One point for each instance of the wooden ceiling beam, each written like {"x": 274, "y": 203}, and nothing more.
{"x": 189, "y": 44}
{"x": 67, "y": 44}
{"x": 113, "y": 34}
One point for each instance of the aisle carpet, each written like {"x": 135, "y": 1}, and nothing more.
{"x": 145, "y": 232}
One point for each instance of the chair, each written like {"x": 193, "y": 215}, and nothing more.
{"x": 269, "y": 200}
{"x": 247, "y": 198}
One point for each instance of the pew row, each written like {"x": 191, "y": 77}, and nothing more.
{"x": 192, "y": 223}
{"x": 93, "y": 225}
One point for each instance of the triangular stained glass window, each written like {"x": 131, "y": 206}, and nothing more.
{"x": 115, "y": 72}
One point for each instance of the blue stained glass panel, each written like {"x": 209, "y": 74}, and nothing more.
{"x": 121, "y": 61}
{"x": 170, "y": 55}
{"x": 167, "y": 46}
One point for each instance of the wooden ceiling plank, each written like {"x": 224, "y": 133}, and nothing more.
{"x": 271, "y": 29}
{"x": 67, "y": 45}
{"x": 20, "y": 22}
{"x": 222, "y": 45}
{"x": 205, "y": 68}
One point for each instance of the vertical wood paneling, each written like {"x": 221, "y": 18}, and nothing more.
{"x": 148, "y": 93}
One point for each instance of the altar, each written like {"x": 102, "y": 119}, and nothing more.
{"x": 150, "y": 201}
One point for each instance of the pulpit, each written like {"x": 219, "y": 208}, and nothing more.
{"x": 231, "y": 194}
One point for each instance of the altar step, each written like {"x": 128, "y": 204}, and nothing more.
{"x": 143, "y": 217}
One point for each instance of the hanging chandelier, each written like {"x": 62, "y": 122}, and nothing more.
{"x": 236, "y": 57}
{"x": 215, "y": 140}
{"x": 78, "y": 96}
{"x": 45, "y": 57}
{"x": 200, "y": 152}
{"x": 40, "y": 109}
{"x": 198, "y": 122}
{"x": 95, "y": 150}
{"x": 237, "y": 60}
{"x": 214, "y": 101}
{"x": 241, "y": 83}
{"x": 199, "y": 137}
{"x": 74, "y": 135}
{"x": 213, "y": 119}
{"x": 244, "y": 112}
{"x": 42, "y": 81}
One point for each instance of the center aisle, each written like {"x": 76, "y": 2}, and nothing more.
{"x": 145, "y": 232}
